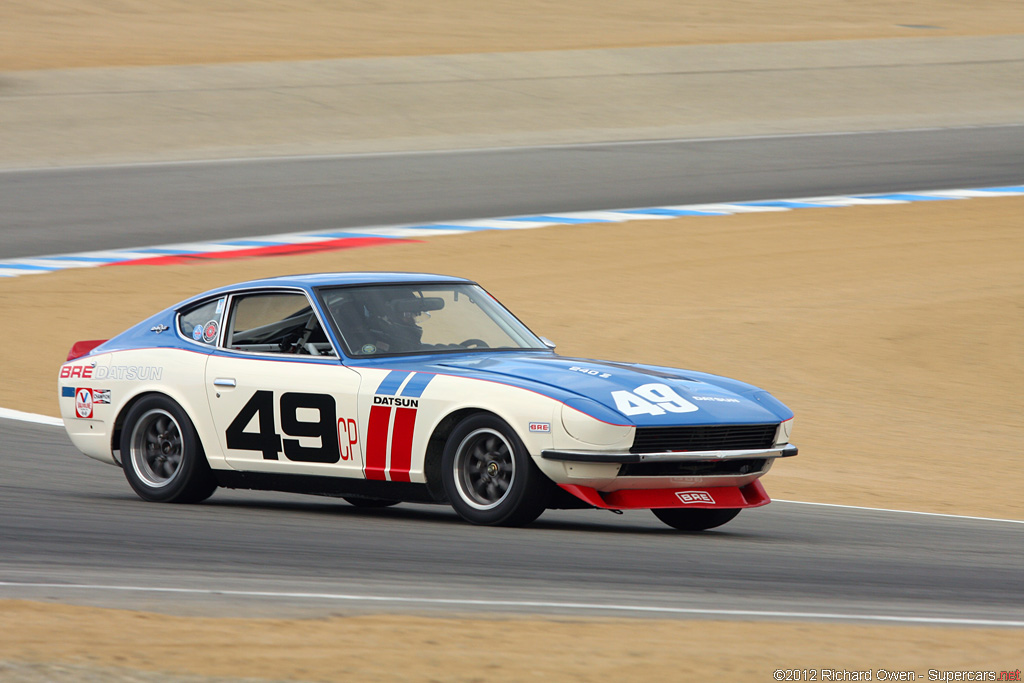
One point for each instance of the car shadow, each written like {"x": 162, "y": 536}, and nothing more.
{"x": 442, "y": 514}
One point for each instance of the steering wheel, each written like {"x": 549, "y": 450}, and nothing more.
{"x": 474, "y": 344}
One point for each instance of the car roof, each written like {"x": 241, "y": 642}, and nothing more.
{"x": 308, "y": 281}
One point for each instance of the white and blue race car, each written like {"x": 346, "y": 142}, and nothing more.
{"x": 388, "y": 387}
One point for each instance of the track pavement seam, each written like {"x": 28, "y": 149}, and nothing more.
{"x": 325, "y": 240}
{"x": 540, "y": 604}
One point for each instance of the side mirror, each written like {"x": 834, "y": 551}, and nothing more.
{"x": 548, "y": 343}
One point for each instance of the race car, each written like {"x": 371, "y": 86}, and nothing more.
{"x": 382, "y": 388}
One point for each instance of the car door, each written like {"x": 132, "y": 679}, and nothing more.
{"x": 281, "y": 400}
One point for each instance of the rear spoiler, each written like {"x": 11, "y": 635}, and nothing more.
{"x": 82, "y": 348}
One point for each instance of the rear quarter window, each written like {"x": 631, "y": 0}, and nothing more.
{"x": 201, "y": 323}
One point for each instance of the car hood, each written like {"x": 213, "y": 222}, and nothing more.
{"x": 609, "y": 391}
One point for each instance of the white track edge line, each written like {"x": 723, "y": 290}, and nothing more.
{"x": 906, "y": 512}
{"x": 7, "y": 413}
{"x": 467, "y": 602}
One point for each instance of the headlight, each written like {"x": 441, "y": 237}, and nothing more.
{"x": 782, "y": 435}
{"x": 592, "y": 430}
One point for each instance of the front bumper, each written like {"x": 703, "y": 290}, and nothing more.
{"x": 622, "y": 458}
{"x": 677, "y": 479}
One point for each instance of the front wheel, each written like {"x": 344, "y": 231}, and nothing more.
{"x": 695, "y": 520}
{"x": 162, "y": 457}
{"x": 488, "y": 475}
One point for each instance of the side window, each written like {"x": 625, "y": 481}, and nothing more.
{"x": 202, "y": 323}
{"x": 276, "y": 323}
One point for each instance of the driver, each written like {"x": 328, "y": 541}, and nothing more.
{"x": 395, "y": 326}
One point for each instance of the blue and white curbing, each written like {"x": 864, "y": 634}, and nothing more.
{"x": 224, "y": 249}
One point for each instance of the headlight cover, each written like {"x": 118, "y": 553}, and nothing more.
{"x": 598, "y": 431}
{"x": 782, "y": 435}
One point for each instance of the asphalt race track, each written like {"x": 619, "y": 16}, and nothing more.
{"x": 65, "y": 519}
{"x": 88, "y": 209}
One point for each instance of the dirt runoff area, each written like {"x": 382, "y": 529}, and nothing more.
{"x": 134, "y": 646}
{"x": 72, "y": 33}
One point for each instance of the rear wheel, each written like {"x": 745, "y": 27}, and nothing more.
{"x": 161, "y": 454}
{"x": 695, "y": 520}
{"x": 489, "y": 476}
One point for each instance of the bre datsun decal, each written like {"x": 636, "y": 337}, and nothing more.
{"x": 127, "y": 372}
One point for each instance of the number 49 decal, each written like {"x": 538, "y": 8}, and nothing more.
{"x": 651, "y": 399}
{"x": 269, "y": 442}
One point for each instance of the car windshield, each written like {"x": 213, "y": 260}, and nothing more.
{"x": 404, "y": 319}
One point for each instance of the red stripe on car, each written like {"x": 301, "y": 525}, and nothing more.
{"x": 270, "y": 250}
{"x": 377, "y": 442}
{"x": 401, "y": 443}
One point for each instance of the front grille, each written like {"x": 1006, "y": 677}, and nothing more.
{"x": 707, "y": 438}
{"x": 716, "y": 468}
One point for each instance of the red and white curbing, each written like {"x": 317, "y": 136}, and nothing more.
{"x": 326, "y": 240}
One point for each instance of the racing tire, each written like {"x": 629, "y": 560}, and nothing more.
{"x": 488, "y": 475}
{"x": 695, "y": 520}
{"x": 368, "y": 503}
{"x": 161, "y": 455}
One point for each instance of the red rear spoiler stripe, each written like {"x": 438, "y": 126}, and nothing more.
{"x": 81, "y": 348}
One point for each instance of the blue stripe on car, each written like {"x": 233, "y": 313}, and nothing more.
{"x": 416, "y": 384}
{"x": 391, "y": 383}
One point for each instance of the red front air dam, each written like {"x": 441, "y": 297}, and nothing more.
{"x": 750, "y": 496}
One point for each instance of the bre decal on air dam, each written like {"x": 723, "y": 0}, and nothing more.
{"x": 695, "y": 497}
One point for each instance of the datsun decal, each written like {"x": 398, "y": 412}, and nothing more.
{"x": 398, "y": 392}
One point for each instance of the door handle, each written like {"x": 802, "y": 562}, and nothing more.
{"x": 224, "y": 382}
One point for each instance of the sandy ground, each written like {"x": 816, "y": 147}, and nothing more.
{"x": 69, "y": 33}
{"x": 377, "y": 648}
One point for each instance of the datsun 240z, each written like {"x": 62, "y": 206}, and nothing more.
{"x": 381, "y": 388}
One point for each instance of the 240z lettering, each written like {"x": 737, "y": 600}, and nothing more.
{"x": 269, "y": 442}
